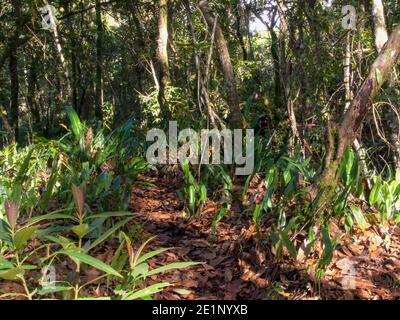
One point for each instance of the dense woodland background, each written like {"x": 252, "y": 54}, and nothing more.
{"x": 319, "y": 86}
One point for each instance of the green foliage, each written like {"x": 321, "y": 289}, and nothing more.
{"x": 140, "y": 270}
{"x": 385, "y": 196}
{"x": 81, "y": 174}
{"x": 195, "y": 192}
{"x": 350, "y": 173}
{"x": 285, "y": 180}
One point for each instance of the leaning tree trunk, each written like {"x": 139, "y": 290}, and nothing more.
{"x": 162, "y": 59}
{"x": 357, "y": 111}
{"x": 236, "y": 117}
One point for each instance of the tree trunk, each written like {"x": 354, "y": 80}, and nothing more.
{"x": 14, "y": 79}
{"x": 99, "y": 63}
{"x": 357, "y": 111}
{"x": 32, "y": 95}
{"x": 236, "y": 118}
{"x": 381, "y": 35}
{"x": 162, "y": 59}
{"x": 239, "y": 33}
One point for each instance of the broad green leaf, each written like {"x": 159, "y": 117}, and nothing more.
{"x": 348, "y": 221}
{"x": 5, "y": 264}
{"x": 83, "y": 257}
{"x": 11, "y": 274}
{"x": 62, "y": 241}
{"x": 80, "y": 230}
{"x": 111, "y": 214}
{"x": 76, "y": 124}
{"x": 108, "y": 233}
{"x": 375, "y": 192}
{"x": 151, "y": 254}
{"x": 358, "y": 216}
{"x": 44, "y": 202}
{"x": 289, "y": 245}
{"x": 287, "y": 176}
{"x": 192, "y": 198}
{"x": 55, "y": 289}
{"x": 22, "y": 173}
{"x": 22, "y": 236}
{"x": 257, "y": 213}
{"x": 203, "y": 193}
{"x": 29, "y": 267}
{"x": 50, "y": 216}
{"x": 328, "y": 249}
{"x": 140, "y": 270}
{"x": 147, "y": 291}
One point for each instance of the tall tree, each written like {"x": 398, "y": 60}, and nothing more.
{"x": 13, "y": 69}
{"x": 381, "y": 35}
{"x": 163, "y": 74}
{"x": 99, "y": 62}
{"x": 236, "y": 117}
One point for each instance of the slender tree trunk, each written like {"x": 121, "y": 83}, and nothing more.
{"x": 163, "y": 74}
{"x": 349, "y": 97}
{"x": 287, "y": 83}
{"x": 347, "y": 71}
{"x": 277, "y": 69}
{"x": 247, "y": 18}
{"x": 239, "y": 33}
{"x": 65, "y": 82}
{"x": 381, "y": 35}
{"x": 202, "y": 92}
{"x": 236, "y": 118}
{"x": 14, "y": 79}
{"x": 32, "y": 95}
{"x": 99, "y": 63}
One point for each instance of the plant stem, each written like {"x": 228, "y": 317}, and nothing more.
{"x": 28, "y": 294}
{"x": 78, "y": 268}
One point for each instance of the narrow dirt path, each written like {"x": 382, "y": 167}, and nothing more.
{"x": 221, "y": 274}
{"x": 235, "y": 267}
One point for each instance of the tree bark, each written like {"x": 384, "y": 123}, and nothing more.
{"x": 14, "y": 79}
{"x": 163, "y": 74}
{"x": 239, "y": 33}
{"x": 236, "y": 117}
{"x": 99, "y": 63}
{"x": 381, "y": 35}
{"x": 357, "y": 111}
{"x": 32, "y": 95}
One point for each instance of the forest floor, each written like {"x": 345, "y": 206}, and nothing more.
{"x": 236, "y": 266}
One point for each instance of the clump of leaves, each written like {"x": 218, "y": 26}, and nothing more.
{"x": 195, "y": 191}
{"x": 133, "y": 286}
